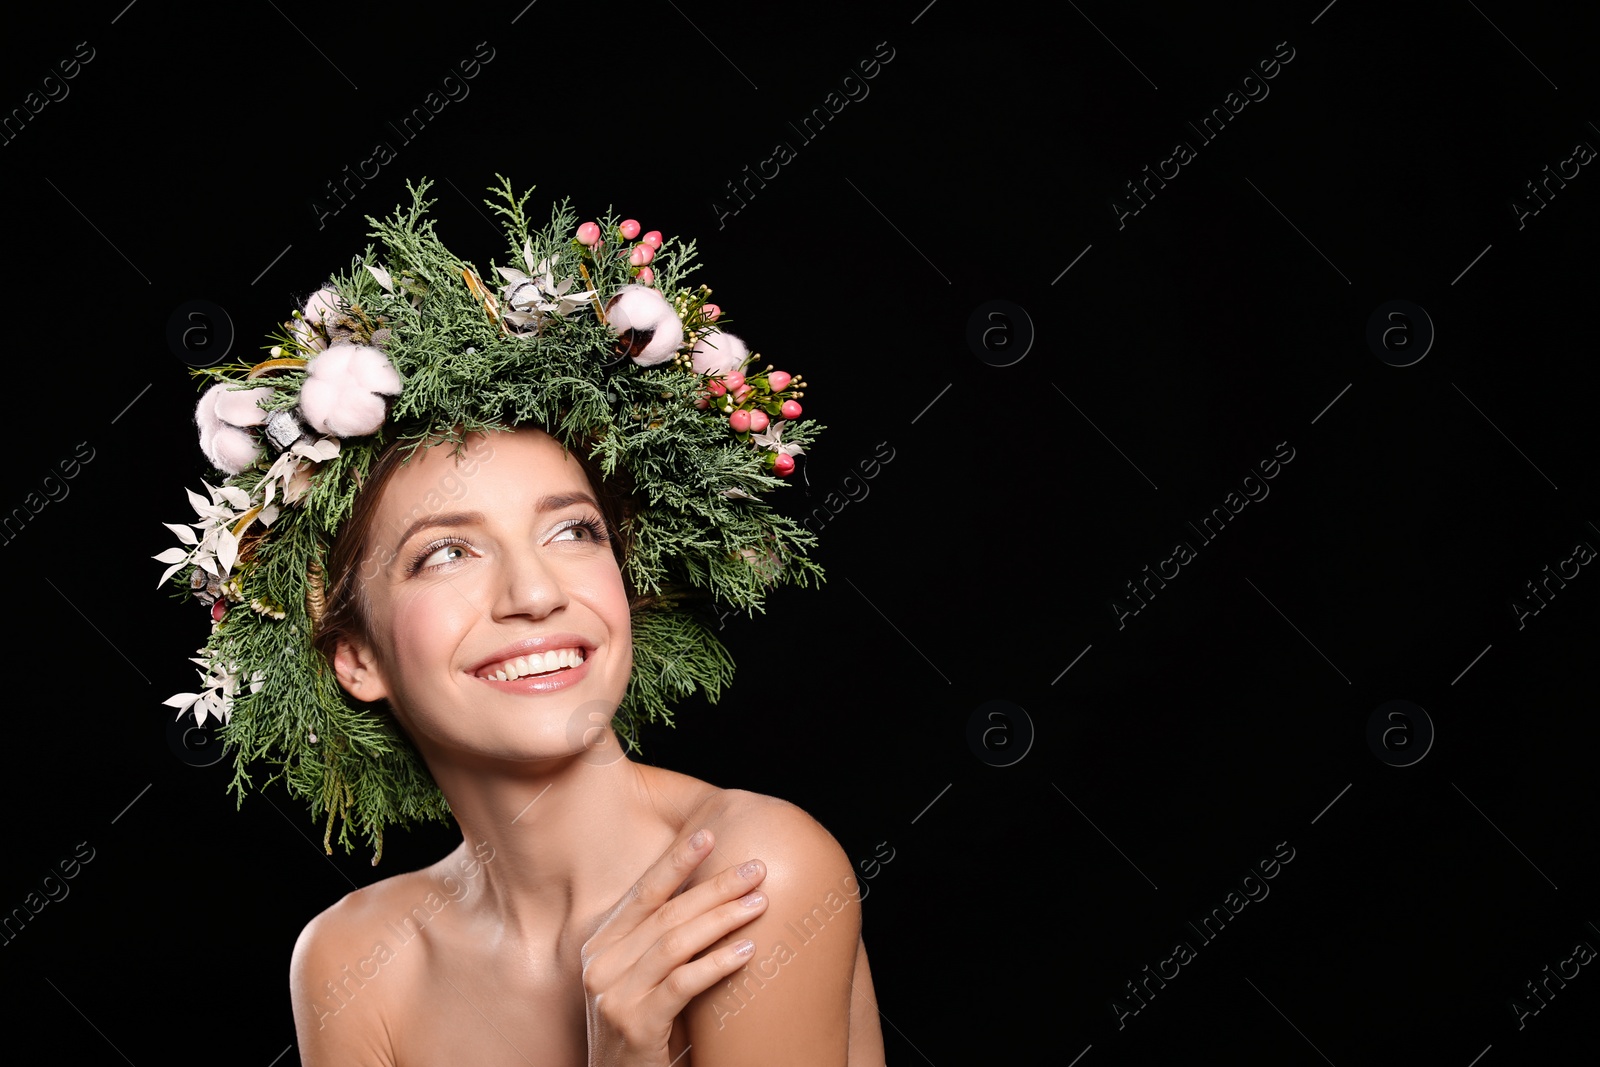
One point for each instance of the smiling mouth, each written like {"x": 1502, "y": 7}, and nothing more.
{"x": 510, "y": 670}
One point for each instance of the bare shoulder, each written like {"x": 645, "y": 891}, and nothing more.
{"x": 792, "y": 1003}
{"x": 796, "y": 849}
{"x": 341, "y": 1014}
{"x": 748, "y": 825}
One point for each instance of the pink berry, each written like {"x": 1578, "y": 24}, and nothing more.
{"x": 717, "y": 388}
{"x": 740, "y": 421}
{"x": 779, "y": 380}
{"x": 701, "y": 402}
{"x": 589, "y": 234}
{"x": 645, "y": 276}
{"x": 711, "y": 312}
{"x": 743, "y": 392}
{"x": 758, "y": 420}
{"x": 219, "y": 608}
{"x": 641, "y": 255}
{"x": 629, "y": 228}
{"x": 653, "y": 239}
{"x": 733, "y": 379}
{"x": 782, "y": 464}
{"x": 791, "y": 409}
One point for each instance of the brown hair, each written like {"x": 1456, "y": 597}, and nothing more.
{"x": 345, "y": 614}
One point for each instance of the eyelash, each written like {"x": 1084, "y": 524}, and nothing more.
{"x": 593, "y": 525}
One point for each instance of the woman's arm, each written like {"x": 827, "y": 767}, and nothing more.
{"x": 789, "y": 1006}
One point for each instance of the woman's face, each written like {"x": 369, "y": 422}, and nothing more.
{"x": 497, "y": 614}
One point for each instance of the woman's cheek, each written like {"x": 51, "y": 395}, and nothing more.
{"x": 428, "y": 619}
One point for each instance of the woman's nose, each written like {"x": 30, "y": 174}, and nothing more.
{"x": 528, "y": 585}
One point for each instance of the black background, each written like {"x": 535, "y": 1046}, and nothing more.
{"x": 1183, "y": 345}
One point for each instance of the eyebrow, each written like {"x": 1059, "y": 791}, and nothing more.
{"x": 553, "y": 502}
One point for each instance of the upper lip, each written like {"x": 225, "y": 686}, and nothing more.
{"x": 545, "y": 643}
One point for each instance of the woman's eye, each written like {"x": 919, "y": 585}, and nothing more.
{"x": 443, "y": 554}
{"x": 582, "y": 530}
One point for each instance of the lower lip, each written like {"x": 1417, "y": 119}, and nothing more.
{"x": 541, "y": 683}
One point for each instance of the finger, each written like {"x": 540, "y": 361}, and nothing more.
{"x": 730, "y": 884}
{"x": 670, "y": 965}
{"x": 655, "y": 887}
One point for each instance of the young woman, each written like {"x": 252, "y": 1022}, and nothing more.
{"x": 426, "y": 606}
{"x": 614, "y": 913}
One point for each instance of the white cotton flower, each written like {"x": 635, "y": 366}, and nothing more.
{"x": 225, "y": 442}
{"x": 648, "y": 329}
{"x": 345, "y": 387}
{"x": 322, "y": 306}
{"x": 717, "y": 353}
{"x": 242, "y": 407}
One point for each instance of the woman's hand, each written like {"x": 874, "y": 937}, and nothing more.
{"x": 639, "y": 970}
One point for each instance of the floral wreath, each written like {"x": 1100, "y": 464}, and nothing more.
{"x": 413, "y": 347}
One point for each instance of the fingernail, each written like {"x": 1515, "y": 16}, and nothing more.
{"x": 698, "y": 840}
{"x": 751, "y": 900}
{"x": 749, "y": 870}
{"x": 744, "y": 948}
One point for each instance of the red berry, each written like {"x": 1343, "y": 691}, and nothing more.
{"x": 791, "y": 409}
{"x": 589, "y": 234}
{"x": 219, "y": 608}
{"x": 778, "y": 380}
{"x": 782, "y": 464}
{"x": 740, "y": 421}
{"x": 758, "y": 420}
{"x": 629, "y": 228}
{"x": 653, "y": 239}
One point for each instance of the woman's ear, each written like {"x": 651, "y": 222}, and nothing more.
{"x": 358, "y": 671}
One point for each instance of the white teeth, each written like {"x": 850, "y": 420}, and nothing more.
{"x": 535, "y": 663}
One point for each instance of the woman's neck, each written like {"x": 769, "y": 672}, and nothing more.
{"x": 565, "y": 841}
